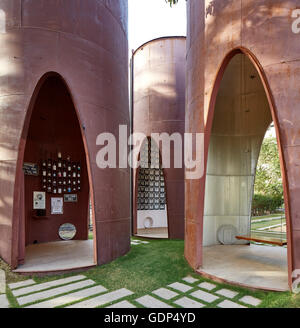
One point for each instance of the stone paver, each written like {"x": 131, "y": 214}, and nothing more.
{"x": 134, "y": 243}
{"x": 122, "y": 305}
{"x": 165, "y": 293}
{"x": 227, "y": 293}
{"x": 21, "y": 284}
{"x": 207, "y": 286}
{"x": 250, "y": 300}
{"x": 54, "y": 292}
{"x": 4, "y": 304}
{"x": 188, "y": 303}
{"x": 190, "y": 280}
{"x": 46, "y": 285}
{"x": 103, "y": 299}
{"x": 204, "y": 296}
{"x": 2, "y": 282}
{"x": 144, "y": 242}
{"x": 181, "y": 287}
{"x": 70, "y": 298}
{"x": 152, "y": 303}
{"x": 230, "y": 305}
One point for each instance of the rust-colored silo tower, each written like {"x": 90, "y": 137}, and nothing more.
{"x": 242, "y": 73}
{"x": 64, "y": 79}
{"x": 159, "y": 107}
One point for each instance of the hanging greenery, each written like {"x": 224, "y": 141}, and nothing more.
{"x": 171, "y": 2}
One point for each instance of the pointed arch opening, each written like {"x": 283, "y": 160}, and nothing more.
{"x": 240, "y": 113}
{"x": 56, "y": 210}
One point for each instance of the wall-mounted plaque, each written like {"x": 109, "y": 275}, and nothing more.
{"x": 71, "y": 198}
{"x": 57, "y": 206}
{"x": 67, "y": 231}
{"x": 39, "y": 200}
{"x": 31, "y": 169}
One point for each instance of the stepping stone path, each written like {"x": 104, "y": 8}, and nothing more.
{"x": 46, "y": 285}
{"x": 152, "y": 303}
{"x": 70, "y": 298}
{"x": 4, "y": 304}
{"x": 102, "y": 300}
{"x": 188, "y": 303}
{"x": 190, "y": 280}
{"x": 80, "y": 292}
{"x": 122, "y": 305}
{"x": 230, "y": 305}
{"x": 204, "y": 296}
{"x": 250, "y": 300}
{"x": 138, "y": 242}
{"x": 227, "y": 293}
{"x": 207, "y": 286}
{"x": 54, "y": 292}
{"x": 165, "y": 293}
{"x": 21, "y": 284}
{"x": 181, "y": 287}
{"x": 2, "y": 282}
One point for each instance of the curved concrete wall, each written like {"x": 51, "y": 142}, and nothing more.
{"x": 241, "y": 118}
{"x": 261, "y": 29}
{"x": 85, "y": 42}
{"x": 158, "y": 107}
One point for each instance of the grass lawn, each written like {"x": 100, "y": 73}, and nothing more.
{"x": 258, "y": 225}
{"x": 266, "y": 216}
{"x": 152, "y": 266}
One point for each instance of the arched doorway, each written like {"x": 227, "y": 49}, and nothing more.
{"x": 57, "y": 190}
{"x": 151, "y": 201}
{"x": 240, "y": 113}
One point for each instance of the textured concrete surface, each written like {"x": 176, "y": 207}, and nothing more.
{"x": 165, "y": 293}
{"x": 58, "y": 256}
{"x": 250, "y": 300}
{"x": 190, "y": 280}
{"x": 122, "y": 305}
{"x": 230, "y": 305}
{"x": 103, "y": 299}
{"x": 181, "y": 287}
{"x": 207, "y": 286}
{"x": 46, "y": 285}
{"x": 204, "y": 296}
{"x": 253, "y": 266}
{"x": 227, "y": 293}
{"x": 2, "y": 282}
{"x": 54, "y": 292}
{"x": 4, "y": 304}
{"x": 20, "y": 284}
{"x": 152, "y": 303}
{"x": 69, "y": 298}
{"x": 188, "y": 303}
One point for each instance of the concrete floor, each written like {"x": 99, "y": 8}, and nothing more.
{"x": 158, "y": 233}
{"x": 255, "y": 266}
{"x": 58, "y": 256}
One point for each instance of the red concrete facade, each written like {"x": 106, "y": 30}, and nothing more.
{"x": 262, "y": 30}
{"x": 84, "y": 43}
{"x": 159, "y": 107}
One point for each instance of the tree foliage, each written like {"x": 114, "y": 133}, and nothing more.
{"x": 171, "y": 2}
{"x": 268, "y": 190}
{"x": 268, "y": 173}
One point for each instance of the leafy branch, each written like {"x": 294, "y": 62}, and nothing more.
{"x": 171, "y": 2}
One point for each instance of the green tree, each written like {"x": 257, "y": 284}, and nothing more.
{"x": 268, "y": 174}
{"x": 172, "y": 2}
{"x": 268, "y": 190}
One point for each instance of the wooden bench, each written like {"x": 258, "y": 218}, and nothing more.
{"x": 265, "y": 240}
